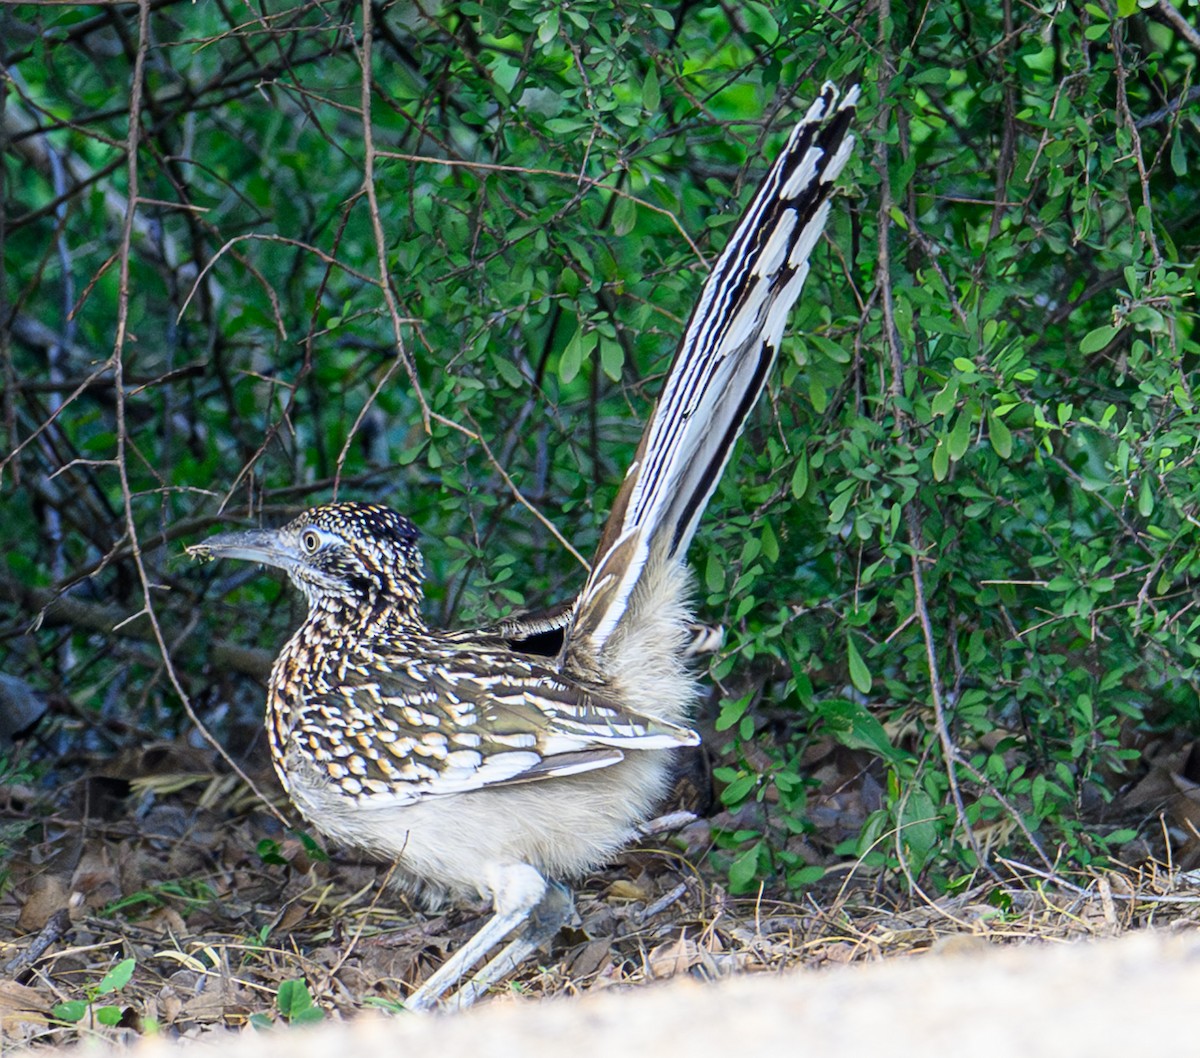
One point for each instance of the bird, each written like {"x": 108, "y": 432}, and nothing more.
{"x": 486, "y": 770}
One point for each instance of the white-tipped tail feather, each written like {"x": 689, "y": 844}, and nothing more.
{"x": 715, "y": 379}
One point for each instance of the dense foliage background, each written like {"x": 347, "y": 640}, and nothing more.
{"x": 438, "y": 255}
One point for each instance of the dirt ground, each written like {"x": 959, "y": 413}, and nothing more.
{"x": 1100, "y": 997}
{"x": 1097, "y": 998}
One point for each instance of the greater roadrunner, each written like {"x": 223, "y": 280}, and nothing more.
{"x": 485, "y": 771}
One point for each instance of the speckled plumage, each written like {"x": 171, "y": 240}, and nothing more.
{"x": 369, "y": 712}
{"x": 482, "y": 771}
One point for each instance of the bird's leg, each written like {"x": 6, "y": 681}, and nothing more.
{"x": 516, "y": 890}
{"x": 545, "y": 920}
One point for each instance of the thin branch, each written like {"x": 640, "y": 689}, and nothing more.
{"x": 1185, "y": 29}
{"x": 912, "y": 516}
{"x": 117, "y": 364}
{"x": 578, "y": 179}
{"x": 369, "y": 156}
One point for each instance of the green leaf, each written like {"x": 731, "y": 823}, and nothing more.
{"x": 71, "y": 1011}
{"x": 837, "y": 508}
{"x": 808, "y": 875}
{"x": 854, "y": 727}
{"x": 818, "y": 394}
{"x": 731, "y": 711}
{"x": 737, "y": 790}
{"x": 999, "y": 435}
{"x": 960, "y": 435}
{"x": 934, "y": 75}
{"x": 744, "y": 869}
{"x": 312, "y": 848}
{"x": 650, "y": 93}
{"x": 293, "y": 998}
{"x": 714, "y": 573}
{"x": 763, "y": 21}
{"x": 580, "y": 346}
{"x": 1145, "y": 497}
{"x": 108, "y": 1015}
{"x": 1096, "y": 340}
{"x": 800, "y": 477}
{"x": 860, "y": 675}
{"x": 548, "y": 30}
{"x": 509, "y": 372}
{"x": 116, "y": 978}
{"x": 269, "y": 852}
{"x": 624, "y": 216}
{"x": 946, "y": 398}
{"x": 917, "y": 822}
{"x": 1178, "y": 156}
{"x": 941, "y": 459}
{"x": 612, "y": 358}
{"x": 770, "y": 544}
{"x": 1037, "y": 791}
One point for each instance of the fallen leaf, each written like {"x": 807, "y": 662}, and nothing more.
{"x": 48, "y": 893}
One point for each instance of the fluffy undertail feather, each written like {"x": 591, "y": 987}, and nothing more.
{"x": 636, "y": 597}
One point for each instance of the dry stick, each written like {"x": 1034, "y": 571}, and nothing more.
{"x": 57, "y": 926}
{"x": 358, "y": 421}
{"x": 371, "y": 154}
{"x": 1136, "y": 142}
{"x": 1011, "y": 809}
{"x": 135, "y": 116}
{"x": 911, "y": 517}
{"x": 376, "y": 223}
{"x": 428, "y": 416}
{"x": 1008, "y": 139}
{"x": 902, "y": 859}
{"x": 888, "y": 835}
{"x": 255, "y": 236}
{"x": 348, "y": 949}
{"x": 512, "y": 487}
{"x": 8, "y": 399}
{"x": 575, "y": 178}
{"x": 284, "y": 420}
{"x": 1185, "y": 28}
{"x": 53, "y": 417}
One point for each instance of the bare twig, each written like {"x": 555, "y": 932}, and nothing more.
{"x": 912, "y": 516}
{"x": 122, "y": 439}
{"x": 579, "y": 179}
{"x": 369, "y": 156}
{"x": 1185, "y": 29}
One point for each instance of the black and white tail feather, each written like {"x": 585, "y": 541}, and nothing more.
{"x": 716, "y": 377}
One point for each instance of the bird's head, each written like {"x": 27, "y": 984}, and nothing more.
{"x": 356, "y": 553}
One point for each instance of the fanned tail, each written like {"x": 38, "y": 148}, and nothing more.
{"x": 715, "y": 379}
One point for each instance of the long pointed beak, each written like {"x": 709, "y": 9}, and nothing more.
{"x": 253, "y": 545}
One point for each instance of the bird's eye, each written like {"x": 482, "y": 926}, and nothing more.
{"x": 311, "y": 541}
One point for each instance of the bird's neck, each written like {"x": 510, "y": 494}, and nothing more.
{"x": 351, "y": 619}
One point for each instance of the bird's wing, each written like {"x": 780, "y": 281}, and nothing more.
{"x": 407, "y": 728}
